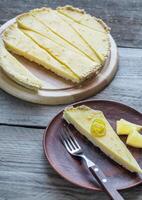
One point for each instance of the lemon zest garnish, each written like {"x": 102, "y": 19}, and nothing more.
{"x": 98, "y": 127}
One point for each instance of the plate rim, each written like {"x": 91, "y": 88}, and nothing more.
{"x": 58, "y": 171}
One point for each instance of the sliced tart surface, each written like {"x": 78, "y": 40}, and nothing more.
{"x": 17, "y": 42}
{"x": 54, "y": 22}
{"x": 28, "y": 22}
{"x": 81, "y": 65}
{"x": 97, "y": 41}
{"x": 59, "y": 43}
{"x": 81, "y": 118}
{"x": 80, "y": 16}
{"x": 16, "y": 71}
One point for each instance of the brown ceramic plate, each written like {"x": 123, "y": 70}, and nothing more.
{"x": 75, "y": 171}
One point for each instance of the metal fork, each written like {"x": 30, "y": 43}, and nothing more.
{"x": 73, "y": 147}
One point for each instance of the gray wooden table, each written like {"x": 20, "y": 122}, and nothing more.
{"x": 24, "y": 172}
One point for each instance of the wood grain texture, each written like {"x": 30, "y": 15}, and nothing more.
{"x": 124, "y": 17}
{"x": 26, "y": 175}
{"x": 126, "y": 88}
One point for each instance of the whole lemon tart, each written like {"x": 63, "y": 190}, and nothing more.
{"x": 66, "y": 40}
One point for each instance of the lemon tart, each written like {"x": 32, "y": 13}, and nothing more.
{"x": 81, "y": 65}
{"x": 59, "y": 43}
{"x": 82, "y": 117}
{"x": 56, "y": 24}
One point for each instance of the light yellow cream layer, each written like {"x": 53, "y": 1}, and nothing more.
{"x": 81, "y": 118}
{"x": 79, "y": 64}
{"x": 29, "y": 22}
{"x": 54, "y": 22}
{"x": 16, "y": 71}
{"x": 97, "y": 41}
{"x": 17, "y": 42}
{"x": 80, "y": 16}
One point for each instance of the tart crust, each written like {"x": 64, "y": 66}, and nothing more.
{"x": 83, "y": 12}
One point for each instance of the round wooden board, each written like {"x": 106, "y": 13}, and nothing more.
{"x": 56, "y": 90}
{"x": 74, "y": 170}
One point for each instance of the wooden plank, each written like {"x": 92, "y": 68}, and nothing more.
{"x": 25, "y": 173}
{"x": 126, "y": 88}
{"x": 124, "y": 17}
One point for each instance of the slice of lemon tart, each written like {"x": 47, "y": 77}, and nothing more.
{"x": 16, "y": 71}
{"x": 95, "y": 127}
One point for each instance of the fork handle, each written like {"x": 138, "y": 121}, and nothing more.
{"x": 105, "y": 183}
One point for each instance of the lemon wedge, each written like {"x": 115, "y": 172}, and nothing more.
{"x": 134, "y": 139}
{"x": 125, "y": 128}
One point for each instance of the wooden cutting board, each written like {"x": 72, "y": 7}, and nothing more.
{"x": 56, "y": 90}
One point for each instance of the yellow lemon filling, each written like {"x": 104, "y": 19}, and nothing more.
{"x": 98, "y": 128}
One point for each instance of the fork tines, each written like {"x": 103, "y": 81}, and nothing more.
{"x": 68, "y": 138}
